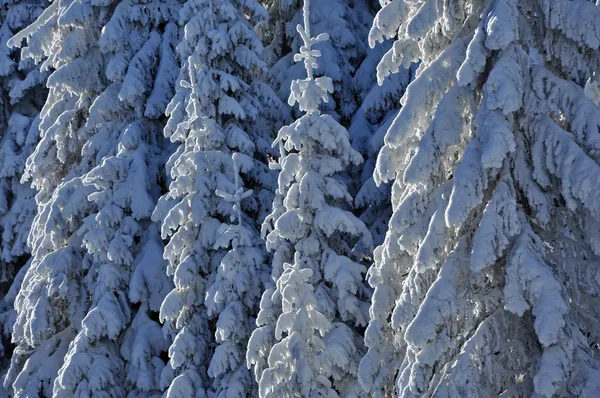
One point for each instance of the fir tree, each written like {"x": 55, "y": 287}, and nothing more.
{"x": 307, "y": 335}
{"x": 84, "y": 314}
{"x": 379, "y": 105}
{"x": 484, "y": 285}
{"x": 234, "y": 295}
{"x": 21, "y": 98}
{"x": 346, "y": 23}
{"x": 216, "y": 110}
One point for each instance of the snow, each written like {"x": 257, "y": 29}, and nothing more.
{"x": 264, "y": 198}
{"x": 486, "y": 158}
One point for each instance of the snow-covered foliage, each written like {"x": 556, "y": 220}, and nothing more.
{"x": 487, "y": 282}
{"x": 233, "y": 297}
{"x": 21, "y": 98}
{"x": 139, "y": 161}
{"x": 379, "y": 105}
{"x": 221, "y": 105}
{"x": 84, "y": 322}
{"x": 347, "y": 24}
{"x": 307, "y": 344}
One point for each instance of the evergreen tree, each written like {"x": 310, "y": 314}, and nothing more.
{"x": 21, "y": 98}
{"x": 234, "y": 295}
{"x": 486, "y": 282}
{"x": 84, "y": 321}
{"x": 357, "y": 100}
{"x": 379, "y": 105}
{"x": 216, "y": 110}
{"x": 319, "y": 300}
{"x": 347, "y": 24}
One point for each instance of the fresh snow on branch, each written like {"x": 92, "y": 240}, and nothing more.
{"x": 299, "y": 198}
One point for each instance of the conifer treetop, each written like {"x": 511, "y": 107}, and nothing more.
{"x": 310, "y": 91}
{"x": 239, "y": 195}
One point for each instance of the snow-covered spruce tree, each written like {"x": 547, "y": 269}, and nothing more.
{"x": 84, "y": 321}
{"x": 357, "y": 100}
{"x": 216, "y": 110}
{"x": 119, "y": 340}
{"x": 379, "y": 105}
{"x": 319, "y": 301}
{"x": 21, "y": 98}
{"x": 234, "y": 296}
{"x": 346, "y": 22}
{"x": 487, "y": 282}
